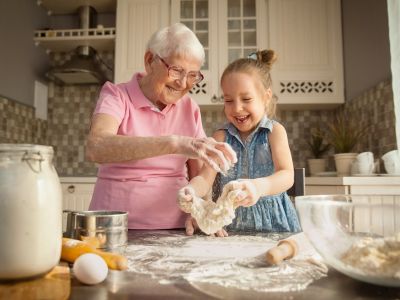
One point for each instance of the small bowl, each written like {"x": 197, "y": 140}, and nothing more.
{"x": 340, "y": 226}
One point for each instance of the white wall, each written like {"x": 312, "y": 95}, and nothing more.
{"x": 21, "y": 63}
{"x": 366, "y": 45}
{"x": 394, "y": 30}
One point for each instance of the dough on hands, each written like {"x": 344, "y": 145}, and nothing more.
{"x": 213, "y": 216}
{"x": 183, "y": 194}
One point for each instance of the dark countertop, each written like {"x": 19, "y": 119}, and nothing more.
{"x": 129, "y": 285}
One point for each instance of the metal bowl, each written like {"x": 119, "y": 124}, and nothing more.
{"x": 358, "y": 235}
{"x": 107, "y": 230}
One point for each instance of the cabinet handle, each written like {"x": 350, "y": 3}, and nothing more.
{"x": 216, "y": 99}
{"x": 71, "y": 189}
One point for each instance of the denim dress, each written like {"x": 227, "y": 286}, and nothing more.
{"x": 274, "y": 213}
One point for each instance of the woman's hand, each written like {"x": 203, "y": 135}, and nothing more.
{"x": 248, "y": 195}
{"x": 220, "y": 156}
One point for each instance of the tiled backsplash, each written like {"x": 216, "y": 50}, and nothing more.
{"x": 70, "y": 110}
{"x": 19, "y": 125}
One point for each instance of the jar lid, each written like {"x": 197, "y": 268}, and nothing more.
{"x": 26, "y": 147}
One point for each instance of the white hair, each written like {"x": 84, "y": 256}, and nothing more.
{"x": 176, "y": 39}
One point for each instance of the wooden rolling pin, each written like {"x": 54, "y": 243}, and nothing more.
{"x": 72, "y": 249}
{"x": 284, "y": 250}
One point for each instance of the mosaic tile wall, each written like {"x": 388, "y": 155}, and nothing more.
{"x": 375, "y": 108}
{"x": 70, "y": 109}
{"x": 19, "y": 125}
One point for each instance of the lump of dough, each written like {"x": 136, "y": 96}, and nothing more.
{"x": 213, "y": 216}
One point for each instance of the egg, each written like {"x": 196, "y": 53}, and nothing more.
{"x": 90, "y": 268}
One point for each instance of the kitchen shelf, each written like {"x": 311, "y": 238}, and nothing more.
{"x": 70, "y": 6}
{"x": 101, "y": 39}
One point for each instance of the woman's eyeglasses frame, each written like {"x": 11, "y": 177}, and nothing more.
{"x": 175, "y": 72}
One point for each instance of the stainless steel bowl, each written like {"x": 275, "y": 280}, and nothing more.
{"x": 108, "y": 230}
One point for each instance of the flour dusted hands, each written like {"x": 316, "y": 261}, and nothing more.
{"x": 248, "y": 195}
{"x": 185, "y": 198}
{"x": 220, "y": 156}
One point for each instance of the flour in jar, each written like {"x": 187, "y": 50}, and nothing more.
{"x": 375, "y": 256}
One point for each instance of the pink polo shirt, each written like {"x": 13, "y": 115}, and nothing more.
{"x": 147, "y": 188}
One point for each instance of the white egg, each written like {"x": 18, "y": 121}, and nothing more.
{"x": 90, "y": 268}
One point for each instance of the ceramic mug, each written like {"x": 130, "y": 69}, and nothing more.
{"x": 364, "y": 163}
{"x": 391, "y": 161}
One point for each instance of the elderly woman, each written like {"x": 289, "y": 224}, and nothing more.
{"x": 148, "y": 138}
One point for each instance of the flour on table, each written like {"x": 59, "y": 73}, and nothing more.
{"x": 236, "y": 261}
{"x": 375, "y": 256}
{"x": 212, "y": 216}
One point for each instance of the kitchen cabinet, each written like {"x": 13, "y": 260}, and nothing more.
{"x": 228, "y": 29}
{"x": 66, "y": 40}
{"x": 77, "y": 192}
{"x": 137, "y": 20}
{"x": 307, "y": 36}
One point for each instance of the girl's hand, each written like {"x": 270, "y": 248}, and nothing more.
{"x": 248, "y": 194}
{"x": 220, "y": 233}
{"x": 185, "y": 198}
{"x": 191, "y": 227}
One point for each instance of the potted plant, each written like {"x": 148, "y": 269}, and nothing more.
{"x": 344, "y": 134}
{"x": 318, "y": 148}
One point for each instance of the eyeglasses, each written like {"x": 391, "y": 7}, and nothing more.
{"x": 175, "y": 72}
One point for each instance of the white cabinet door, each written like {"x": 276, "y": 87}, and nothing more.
{"x": 306, "y": 34}
{"x": 77, "y": 196}
{"x": 136, "y": 21}
{"x": 228, "y": 29}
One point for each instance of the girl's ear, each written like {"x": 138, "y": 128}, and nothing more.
{"x": 268, "y": 94}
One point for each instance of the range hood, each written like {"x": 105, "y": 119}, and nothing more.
{"x": 84, "y": 67}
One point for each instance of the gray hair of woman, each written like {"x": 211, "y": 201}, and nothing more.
{"x": 176, "y": 39}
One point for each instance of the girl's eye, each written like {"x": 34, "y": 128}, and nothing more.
{"x": 247, "y": 99}
{"x": 227, "y": 100}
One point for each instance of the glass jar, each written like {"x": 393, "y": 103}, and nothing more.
{"x": 30, "y": 211}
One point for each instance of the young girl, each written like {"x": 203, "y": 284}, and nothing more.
{"x": 264, "y": 170}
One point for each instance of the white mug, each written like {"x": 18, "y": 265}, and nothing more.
{"x": 391, "y": 160}
{"x": 365, "y": 163}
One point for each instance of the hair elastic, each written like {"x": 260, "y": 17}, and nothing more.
{"x": 252, "y": 56}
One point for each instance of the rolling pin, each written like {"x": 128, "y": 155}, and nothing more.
{"x": 72, "y": 249}
{"x": 284, "y": 250}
